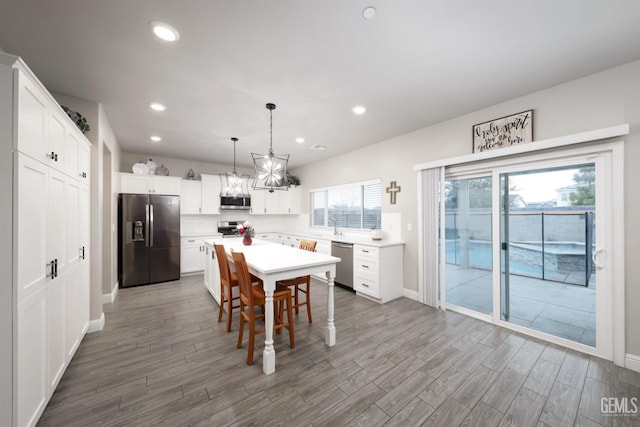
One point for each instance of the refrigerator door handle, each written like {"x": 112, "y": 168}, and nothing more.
{"x": 151, "y": 229}
{"x": 146, "y": 231}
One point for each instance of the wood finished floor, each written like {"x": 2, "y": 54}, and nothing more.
{"x": 163, "y": 359}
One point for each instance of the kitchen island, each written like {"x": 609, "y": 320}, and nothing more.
{"x": 272, "y": 262}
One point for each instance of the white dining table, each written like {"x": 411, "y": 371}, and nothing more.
{"x": 272, "y": 262}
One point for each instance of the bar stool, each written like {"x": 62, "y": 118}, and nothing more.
{"x": 299, "y": 282}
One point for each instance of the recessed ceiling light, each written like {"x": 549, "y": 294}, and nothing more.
{"x": 299, "y": 140}
{"x": 164, "y": 31}
{"x": 156, "y": 106}
{"x": 369, "y": 12}
{"x": 155, "y": 138}
{"x": 358, "y": 109}
{"x": 318, "y": 147}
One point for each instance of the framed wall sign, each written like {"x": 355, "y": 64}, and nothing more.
{"x": 503, "y": 132}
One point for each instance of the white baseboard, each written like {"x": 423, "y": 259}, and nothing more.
{"x": 96, "y": 325}
{"x": 632, "y": 362}
{"x": 107, "y": 298}
{"x": 407, "y": 293}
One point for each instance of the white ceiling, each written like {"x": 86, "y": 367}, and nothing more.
{"x": 416, "y": 63}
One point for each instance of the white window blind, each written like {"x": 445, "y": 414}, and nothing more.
{"x": 350, "y": 206}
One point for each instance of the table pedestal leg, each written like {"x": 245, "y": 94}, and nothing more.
{"x": 269, "y": 354}
{"x": 330, "y": 334}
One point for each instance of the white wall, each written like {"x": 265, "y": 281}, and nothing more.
{"x": 109, "y": 140}
{"x": 601, "y": 100}
{"x": 100, "y": 134}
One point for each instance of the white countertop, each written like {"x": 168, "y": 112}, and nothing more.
{"x": 269, "y": 258}
{"x": 214, "y": 234}
{"x": 358, "y": 240}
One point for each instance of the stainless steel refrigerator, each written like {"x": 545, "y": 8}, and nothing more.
{"x": 149, "y": 242}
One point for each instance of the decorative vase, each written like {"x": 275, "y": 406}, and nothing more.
{"x": 376, "y": 234}
{"x": 151, "y": 165}
{"x": 246, "y": 239}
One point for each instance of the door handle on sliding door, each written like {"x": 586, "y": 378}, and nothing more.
{"x": 594, "y": 258}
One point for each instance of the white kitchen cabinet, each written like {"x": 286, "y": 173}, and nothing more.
{"x": 84, "y": 160}
{"x": 57, "y": 143}
{"x": 149, "y": 184}
{"x": 33, "y": 386}
{"x": 212, "y": 273}
{"x": 32, "y": 260}
{"x": 258, "y": 206}
{"x": 211, "y": 187}
{"x": 51, "y": 205}
{"x": 32, "y": 120}
{"x": 192, "y": 253}
{"x": 276, "y": 203}
{"x": 190, "y": 197}
{"x": 377, "y": 272}
{"x": 201, "y": 197}
{"x": 289, "y": 201}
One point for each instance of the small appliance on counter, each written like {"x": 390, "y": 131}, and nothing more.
{"x": 149, "y": 239}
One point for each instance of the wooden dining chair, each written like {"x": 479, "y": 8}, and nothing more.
{"x": 298, "y": 283}
{"x": 228, "y": 281}
{"x": 252, "y": 297}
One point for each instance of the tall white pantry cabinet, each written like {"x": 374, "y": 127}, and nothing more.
{"x": 49, "y": 227}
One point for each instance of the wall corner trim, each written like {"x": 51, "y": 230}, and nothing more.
{"x": 632, "y": 362}
{"x": 407, "y": 293}
{"x": 96, "y": 325}
{"x": 108, "y": 298}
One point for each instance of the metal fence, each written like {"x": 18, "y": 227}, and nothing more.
{"x": 555, "y": 246}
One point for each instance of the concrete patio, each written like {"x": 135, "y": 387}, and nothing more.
{"x": 557, "y": 308}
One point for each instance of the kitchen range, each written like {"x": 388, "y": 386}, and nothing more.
{"x": 229, "y": 228}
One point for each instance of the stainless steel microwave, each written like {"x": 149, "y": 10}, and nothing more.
{"x": 235, "y": 203}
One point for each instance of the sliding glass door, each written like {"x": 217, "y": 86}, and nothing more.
{"x": 547, "y": 240}
{"x": 469, "y": 264}
{"x": 525, "y": 244}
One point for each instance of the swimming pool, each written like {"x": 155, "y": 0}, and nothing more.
{"x": 525, "y": 258}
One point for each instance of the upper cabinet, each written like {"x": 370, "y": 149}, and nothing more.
{"x": 150, "y": 184}
{"x": 190, "y": 197}
{"x": 211, "y": 187}
{"x": 276, "y": 203}
{"x": 46, "y": 134}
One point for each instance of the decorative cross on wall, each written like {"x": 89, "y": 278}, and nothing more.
{"x": 393, "y": 190}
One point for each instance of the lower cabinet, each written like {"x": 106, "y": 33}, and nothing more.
{"x": 212, "y": 273}
{"x": 377, "y": 272}
{"x": 33, "y": 351}
{"x": 192, "y": 254}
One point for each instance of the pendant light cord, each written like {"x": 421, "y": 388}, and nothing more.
{"x": 271, "y": 131}
{"x": 234, "y": 154}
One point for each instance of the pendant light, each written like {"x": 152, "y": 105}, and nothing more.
{"x": 234, "y": 184}
{"x": 271, "y": 170}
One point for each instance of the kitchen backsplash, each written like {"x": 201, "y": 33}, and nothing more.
{"x": 193, "y": 225}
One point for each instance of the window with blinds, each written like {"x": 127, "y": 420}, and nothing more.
{"x": 356, "y": 206}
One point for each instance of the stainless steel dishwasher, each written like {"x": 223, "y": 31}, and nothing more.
{"x": 344, "y": 269}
